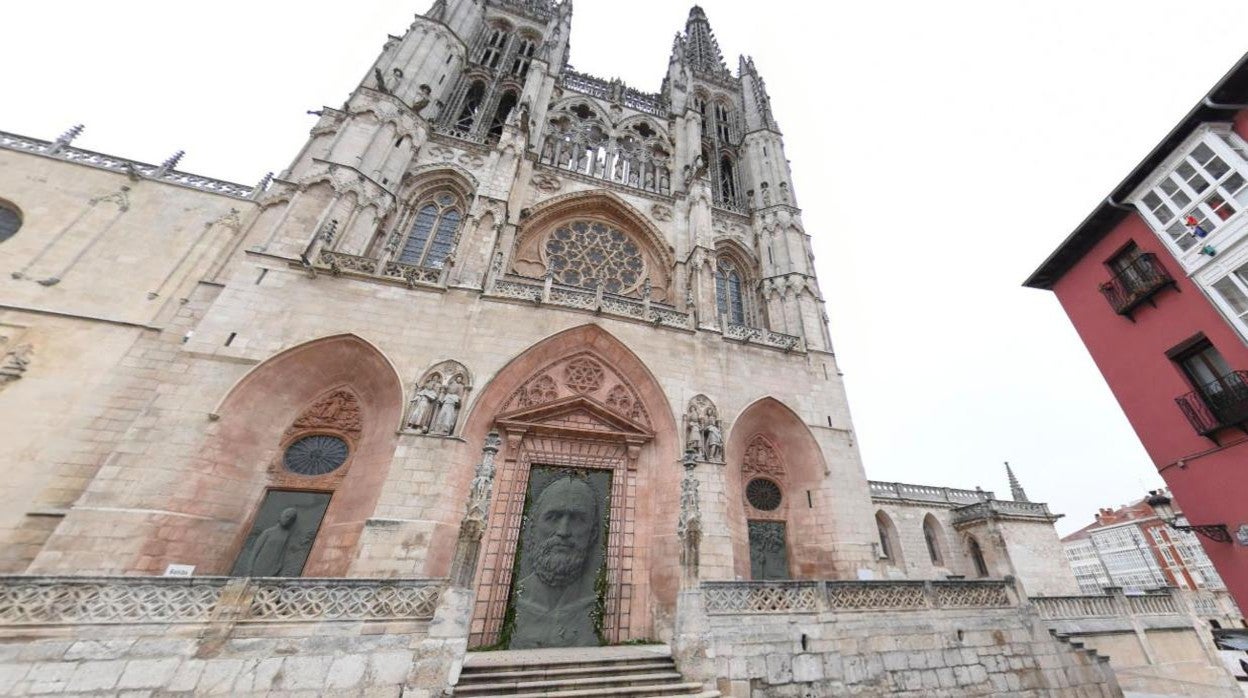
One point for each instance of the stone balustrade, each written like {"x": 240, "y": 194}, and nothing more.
{"x": 727, "y": 598}
{"x": 925, "y": 493}
{"x": 1070, "y": 607}
{"x": 658, "y": 314}
{"x": 339, "y": 263}
{"x": 124, "y": 166}
{"x": 997, "y": 507}
{"x": 1118, "y": 605}
{"x": 29, "y": 601}
{"x": 764, "y": 337}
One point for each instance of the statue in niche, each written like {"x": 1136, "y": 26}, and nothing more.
{"x": 269, "y": 551}
{"x": 714, "y": 443}
{"x": 693, "y": 436}
{"x": 424, "y": 404}
{"x": 704, "y": 434}
{"x": 448, "y": 408}
{"x": 554, "y": 604}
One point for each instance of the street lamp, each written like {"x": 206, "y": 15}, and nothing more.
{"x": 1163, "y": 506}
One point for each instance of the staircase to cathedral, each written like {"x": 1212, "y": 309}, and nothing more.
{"x": 644, "y": 670}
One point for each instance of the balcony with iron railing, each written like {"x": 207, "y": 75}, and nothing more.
{"x": 1217, "y": 404}
{"x": 1137, "y": 283}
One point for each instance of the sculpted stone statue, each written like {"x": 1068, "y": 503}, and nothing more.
{"x": 448, "y": 408}
{"x": 423, "y": 405}
{"x": 714, "y": 443}
{"x": 268, "y": 553}
{"x": 693, "y": 436}
{"x": 554, "y": 603}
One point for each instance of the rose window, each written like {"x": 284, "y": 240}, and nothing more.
{"x": 589, "y": 254}
{"x": 763, "y": 494}
{"x": 316, "y": 455}
{"x": 584, "y": 375}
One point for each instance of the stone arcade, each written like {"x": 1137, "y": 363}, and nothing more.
{"x": 510, "y": 356}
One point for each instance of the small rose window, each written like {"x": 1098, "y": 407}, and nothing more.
{"x": 763, "y": 494}
{"x": 316, "y": 455}
{"x": 590, "y": 253}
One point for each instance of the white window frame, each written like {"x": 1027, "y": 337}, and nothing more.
{"x": 1233, "y": 151}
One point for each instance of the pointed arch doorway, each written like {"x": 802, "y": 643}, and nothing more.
{"x": 560, "y": 566}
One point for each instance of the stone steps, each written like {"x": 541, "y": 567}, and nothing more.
{"x": 640, "y": 672}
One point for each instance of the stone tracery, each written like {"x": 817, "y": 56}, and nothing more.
{"x": 583, "y": 374}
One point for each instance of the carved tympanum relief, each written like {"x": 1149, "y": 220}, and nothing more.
{"x": 704, "y": 435}
{"x": 439, "y": 398}
{"x": 581, "y": 374}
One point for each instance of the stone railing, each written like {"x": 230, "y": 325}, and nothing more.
{"x": 1072, "y": 607}
{"x": 724, "y": 598}
{"x": 1113, "y": 605}
{"x": 758, "y": 335}
{"x": 457, "y": 133}
{"x": 124, "y": 166}
{"x": 26, "y": 601}
{"x": 998, "y": 507}
{"x": 924, "y": 493}
{"x": 338, "y": 263}
{"x": 613, "y": 91}
{"x": 343, "y": 599}
{"x": 1152, "y": 605}
{"x": 599, "y": 302}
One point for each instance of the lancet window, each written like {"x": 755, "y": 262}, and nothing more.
{"x": 487, "y": 92}
{"x": 431, "y": 235}
{"x": 720, "y": 139}
{"x": 636, "y": 155}
{"x": 728, "y": 292}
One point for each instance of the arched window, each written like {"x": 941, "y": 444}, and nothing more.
{"x": 524, "y": 56}
{"x": 931, "y": 536}
{"x": 727, "y": 181}
{"x": 432, "y": 234}
{"x": 723, "y": 123}
{"x": 10, "y": 221}
{"x": 890, "y": 549}
{"x": 472, "y": 103}
{"x": 505, "y": 104}
{"x": 728, "y": 295}
{"x": 977, "y": 556}
{"x": 495, "y": 45}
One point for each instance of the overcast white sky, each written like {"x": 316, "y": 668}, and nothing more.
{"x": 940, "y": 151}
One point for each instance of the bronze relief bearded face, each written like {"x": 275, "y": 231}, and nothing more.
{"x": 565, "y": 527}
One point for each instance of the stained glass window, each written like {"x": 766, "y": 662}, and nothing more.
{"x": 590, "y": 253}
{"x": 432, "y": 235}
{"x": 728, "y": 293}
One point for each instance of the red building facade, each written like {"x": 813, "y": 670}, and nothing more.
{"x": 1137, "y": 286}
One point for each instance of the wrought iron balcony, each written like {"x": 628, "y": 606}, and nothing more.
{"x": 1217, "y": 404}
{"x": 1137, "y": 283}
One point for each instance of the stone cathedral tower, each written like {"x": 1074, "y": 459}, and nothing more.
{"x": 509, "y": 356}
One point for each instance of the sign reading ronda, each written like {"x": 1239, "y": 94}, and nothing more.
{"x": 561, "y": 560}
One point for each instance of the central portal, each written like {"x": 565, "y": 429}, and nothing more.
{"x": 559, "y": 596}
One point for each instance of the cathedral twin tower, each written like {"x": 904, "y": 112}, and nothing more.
{"x": 481, "y": 240}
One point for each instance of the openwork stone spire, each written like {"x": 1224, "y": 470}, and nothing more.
{"x": 1016, "y": 490}
{"x": 701, "y": 48}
